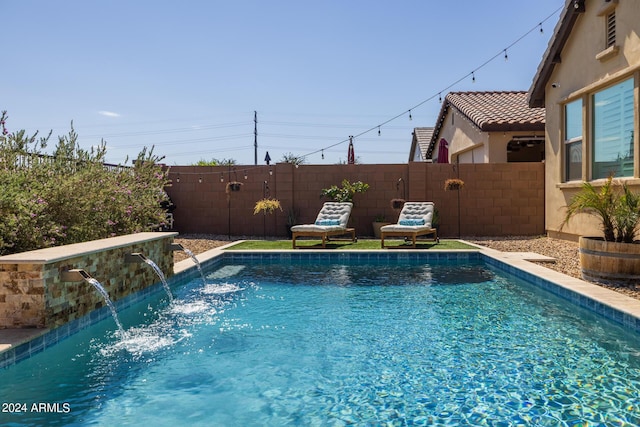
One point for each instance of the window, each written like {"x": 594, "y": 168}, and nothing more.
{"x": 613, "y": 131}
{"x": 573, "y": 140}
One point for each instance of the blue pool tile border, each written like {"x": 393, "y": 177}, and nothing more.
{"x": 624, "y": 319}
{"x": 40, "y": 343}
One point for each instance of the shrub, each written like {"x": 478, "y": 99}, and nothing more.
{"x": 346, "y": 192}
{"x": 70, "y": 196}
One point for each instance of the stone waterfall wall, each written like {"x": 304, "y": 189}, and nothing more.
{"x": 32, "y": 294}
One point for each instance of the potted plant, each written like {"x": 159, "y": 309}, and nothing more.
{"x": 346, "y": 192}
{"x": 266, "y": 206}
{"x": 453, "y": 184}
{"x": 292, "y": 219}
{"x": 378, "y": 222}
{"x": 612, "y": 257}
{"x": 233, "y": 186}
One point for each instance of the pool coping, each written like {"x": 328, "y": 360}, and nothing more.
{"x": 19, "y": 344}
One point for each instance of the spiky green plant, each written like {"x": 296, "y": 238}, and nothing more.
{"x": 617, "y": 210}
{"x": 627, "y": 215}
{"x": 599, "y": 203}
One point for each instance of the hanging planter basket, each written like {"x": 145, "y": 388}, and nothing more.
{"x": 453, "y": 184}
{"x": 233, "y": 186}
{"x": 397, "y": 203}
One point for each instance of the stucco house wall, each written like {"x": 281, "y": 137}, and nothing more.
{"x": 578, "y": 64}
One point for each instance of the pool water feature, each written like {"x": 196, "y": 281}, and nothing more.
{"x": 269, "y": 344}
{"x": 160, "y": 275}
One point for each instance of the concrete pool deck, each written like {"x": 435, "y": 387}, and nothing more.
{"x": 518, "y": 261}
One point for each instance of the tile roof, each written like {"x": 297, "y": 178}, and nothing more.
{"x": 421, "y": 138}
{"x": 498, "y": 111}
{"x": 507, "y": 111}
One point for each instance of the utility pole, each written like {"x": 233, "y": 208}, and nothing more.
{"x": 255, "y": 137}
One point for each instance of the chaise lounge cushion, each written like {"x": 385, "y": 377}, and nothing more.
{"x": 331, "y": 221}
{"x": 332, "y": 217}
{"x": 414, "y": 216}
{"x": 415, "y": 220}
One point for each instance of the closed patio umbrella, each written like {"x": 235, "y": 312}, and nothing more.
{"x": 443, "y": 151}
{"x": 351, "y": 156}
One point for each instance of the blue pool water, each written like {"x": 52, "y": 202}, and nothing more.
{"x": 275, "y": 345}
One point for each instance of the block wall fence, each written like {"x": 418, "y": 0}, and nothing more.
{"x": 497, "y": 199}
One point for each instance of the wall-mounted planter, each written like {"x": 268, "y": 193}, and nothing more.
{"x": 234, "y": 186}
{"x": 397, "y": 203}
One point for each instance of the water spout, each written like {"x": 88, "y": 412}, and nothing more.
{"x": 137, "y": 257}
{"x": 179, "y": 247}
{"x": 195, "y": 260}
{"x": 79, "y": 275}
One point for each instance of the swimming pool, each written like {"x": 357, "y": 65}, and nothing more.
{"x": 316, "y": 341}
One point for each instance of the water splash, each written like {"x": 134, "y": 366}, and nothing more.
{"x": 221, "y": 288}
{"x": 105, "y": 295}
{"x": 161, "y": 276}
{"x": 195, "y": 260}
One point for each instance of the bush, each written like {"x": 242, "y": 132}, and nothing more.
{"x": 70, "y": 196}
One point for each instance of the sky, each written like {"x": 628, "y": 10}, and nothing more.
{"x": 186, "y": 77}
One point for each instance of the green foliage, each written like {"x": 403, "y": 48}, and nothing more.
{"x": 293, "y": 159}
{"x": 266, "y": 205}
{"x": 70, "y": 196}
{"x": 617, "y": 209}
{"x": 346, "y": 192}
{"x": 215, "y": 162}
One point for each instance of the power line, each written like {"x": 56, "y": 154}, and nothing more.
{"x": 439, "y": 93}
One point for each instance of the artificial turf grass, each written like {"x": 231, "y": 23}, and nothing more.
{"x": 361, "y": 244}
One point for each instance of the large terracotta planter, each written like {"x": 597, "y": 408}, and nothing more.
{"x": 609, "y": 262}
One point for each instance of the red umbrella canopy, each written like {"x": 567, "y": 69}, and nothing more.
{"x": 351, "y": 156}
{"x": 443, "y": 151}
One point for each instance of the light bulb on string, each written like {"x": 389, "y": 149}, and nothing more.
{"x": 200, "y": 180}
{"x": 541, "y": 29}
{"x": 245, "y": 176}
{"x": 506, "y": 57}
{"x": 378, "y": 130}
{"x": 221, "y": 177}
{"x": 323, "y": 154}
{"x": 410, "y": 116}
{"x": 440, "y": 98}
{"x": 178, "y": 179}
{"x": 473, "y": 76}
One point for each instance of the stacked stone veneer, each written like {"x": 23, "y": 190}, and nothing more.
{"x": 32, "y": 294}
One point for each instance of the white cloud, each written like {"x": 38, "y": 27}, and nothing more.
{"x": 108, "y": 114}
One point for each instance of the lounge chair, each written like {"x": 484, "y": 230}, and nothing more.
{"x": 331, "y": 221}
{"x": 414, "y": 221}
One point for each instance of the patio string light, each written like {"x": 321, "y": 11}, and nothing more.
{"x": 438, "y": 94}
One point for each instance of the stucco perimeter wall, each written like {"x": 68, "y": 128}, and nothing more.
{"x": 32, "y": 294}
{"x": 497, "y": 200}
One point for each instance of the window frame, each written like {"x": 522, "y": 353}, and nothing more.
{"x": 569, "y": 142}
{"x": 594, "y": 133}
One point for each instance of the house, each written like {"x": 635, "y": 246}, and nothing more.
{"x": 488, "y": 127}
{"x": 588, "y": 82}
{"x": 420, "y": 144}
